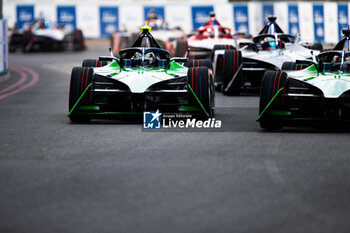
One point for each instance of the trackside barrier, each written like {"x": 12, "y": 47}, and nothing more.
{"x": 320, "y": 21}
{"x": 3, "y": 47}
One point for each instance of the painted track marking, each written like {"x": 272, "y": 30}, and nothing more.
{"x": 22, "y": 83}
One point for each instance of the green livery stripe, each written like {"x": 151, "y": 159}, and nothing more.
{"x": 112, "y": 113}
{"x": 75, "y": 105}
{"x": 200, "y": 104}
{"x": 268, "y": 105}
{"x": 189, "y": 108}
{"x": 89, "y": 107}
{"x": 280, "y": 113}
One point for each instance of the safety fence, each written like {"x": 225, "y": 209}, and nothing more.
{"x": 319, "y": 21}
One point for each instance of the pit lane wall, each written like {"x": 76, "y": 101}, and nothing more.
{"x": 3, "y": 47}
{"x": 315, "y": 21}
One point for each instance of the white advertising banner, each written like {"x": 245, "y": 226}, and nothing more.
{"x": 313, "y": 20}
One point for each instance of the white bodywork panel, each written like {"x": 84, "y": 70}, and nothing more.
{"x": 50, "y": 33}
{"x": 139, "y": 80}
{"x": 292, "y": 52}
{"x": 332, "y": 85}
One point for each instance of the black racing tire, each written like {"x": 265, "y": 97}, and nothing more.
{"x": 271, "y": 83}
{"x": 221, "y": 47}
{"x": 219, "y": 65}
{"x": 317, "y": 46}
{"x": 314, "y": 46}
{"x": 200, "y": 63}
{"x": 93, "y": 63}
{"x": 81, "y": 77}
{"x": 201, "y": 82}
{"x": 181, "y": 48}
{"x": 78, "y": 40}
{"x": 232, "y": 61}
{"x": 26, "y": 38}
{"x": 290, "y": 66}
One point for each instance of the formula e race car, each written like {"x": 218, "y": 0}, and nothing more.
{"x": 241, "y": 70}
{"x": 172, "y": 39}
{"x": 318, "y": 93}
{"x": 143, "y": 78}
{"x": 213, "y": 36}
{"x": 43, "y": 35}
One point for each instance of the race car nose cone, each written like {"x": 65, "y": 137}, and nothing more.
{"x": 272, "y": 18}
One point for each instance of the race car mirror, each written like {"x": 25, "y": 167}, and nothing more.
{"x": 109, "y": 58}
{"x": 179, "y": 59}
{"x": 106, "y": 58}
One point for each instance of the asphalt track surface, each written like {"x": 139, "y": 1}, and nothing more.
{"x": 113, "y": 177}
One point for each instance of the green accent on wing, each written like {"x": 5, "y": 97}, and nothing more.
{"x": 268, "y": 105}
{"x": 200, "y": 104}
{"x": 75, "y": 105}
{"x": 112, "y": 113}
{"x": 189, "y": 108}
{"x": 89, "y": 107}
{"x": 280, "y": 113}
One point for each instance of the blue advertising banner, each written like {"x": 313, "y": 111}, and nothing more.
{"x": 200, "y": 15}
{"x": 267, "y": 11}
{"x": 108, "y": 20}
{"x": 25, "y": 15}
{"x": 151, "y": 11}
{"x": 293, "y": 19}
{"x": 66, "y": 15}
{"x": 240, "y": 15}
{"x": 318, "y": 22}
{"x": 343, "y": 15}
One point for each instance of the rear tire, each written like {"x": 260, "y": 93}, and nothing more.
{"x": 221, "y": 47}
{"x": 271, "y": 83}
{"x": 232, "y": 62}
{"x": 201, "y": 63}
{"x": 219, "y": 65}
{"x": 93, "y": 63}
{"x": 289, "y": 66}
{"x": 78, "y": 41}
{"x": 181, "y": 48}
{"x": 201, "y": 82}
{"x": 81, "y": 77}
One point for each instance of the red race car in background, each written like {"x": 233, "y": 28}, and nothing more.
{"x": 211, "y": 35}
{"x": 174, "y": 40}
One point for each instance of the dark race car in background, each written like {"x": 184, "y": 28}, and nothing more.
{"x": 243, "y": 68}
{"x": 42, "y": 35}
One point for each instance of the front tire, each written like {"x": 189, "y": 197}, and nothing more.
{"x": 200, "y": 63}
{"x": 232, "y": 62}
{"x": 201, "y": 82}
{"x": 81, "y": 77}
{"x": 93, "y": 63}
{"x": 272, "y": 82}
{"x": 290, "y": 66}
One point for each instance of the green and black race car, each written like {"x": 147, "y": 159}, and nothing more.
{"x": 318, "y": 93}
{"x": 143, "y": 78}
